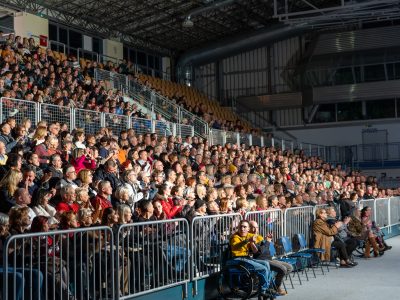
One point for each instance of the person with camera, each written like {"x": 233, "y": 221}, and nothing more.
{"x": 343, "y": 237}
{"x": 281, "y": 268}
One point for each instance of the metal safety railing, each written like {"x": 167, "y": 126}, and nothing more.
{"x": 90, "y": 120}
{"x": 269, "y": 222}
{"x": 140, "y": 258}
{"x": 68, "y": 264}
{"x": 152, "y": 256}
{"x": 299, "y": 220}
{"x": 210, "y": 238}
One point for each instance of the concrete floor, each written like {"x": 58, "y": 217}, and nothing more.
{"x": 372, "y": 279}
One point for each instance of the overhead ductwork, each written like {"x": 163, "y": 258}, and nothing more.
{"x": 228, "y": 47}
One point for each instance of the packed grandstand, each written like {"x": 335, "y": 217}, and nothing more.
{"x": 54, "y": 178}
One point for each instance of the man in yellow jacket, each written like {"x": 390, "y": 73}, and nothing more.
{"x": 243, "y": 246}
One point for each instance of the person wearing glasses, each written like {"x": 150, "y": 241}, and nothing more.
{"x": 243, "y": 246}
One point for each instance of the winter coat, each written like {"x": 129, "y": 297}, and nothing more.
{"x": 323, "y": 237}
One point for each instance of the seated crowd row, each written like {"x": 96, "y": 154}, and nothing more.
{"x": 32, "y": 73}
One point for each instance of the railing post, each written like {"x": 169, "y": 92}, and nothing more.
{"x": 250, "y": 139}
{"x": 262, "y": 141}
{"x": 153, "y": 126}
{"x": 283, "y": 144}
{"x": 129, "y": 123}
{"x": 192, "y": 131}
{"x": 223, "y": 138}
{"x": 72, "y": 119}
{"x": 292, "y": 146}
{"x": 103, "y": 119}
{"x": 272, "y": 142}
{"x": 174, "y": 129}
{"x": 238, "y": 138}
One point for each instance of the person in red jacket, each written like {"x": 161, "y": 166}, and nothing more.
{"x": 67, "y": 200}
{"x": 164, "y": 196}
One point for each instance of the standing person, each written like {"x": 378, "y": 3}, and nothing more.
{"x": 243, "y": 245}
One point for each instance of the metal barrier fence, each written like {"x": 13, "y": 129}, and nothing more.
{"x": 140, "y": 258}
{"x": 55, "y": 113}
{"x": 231, "y": 137}
{"x": 370, "y": 203}
{"x": 141, "y": 126}
{"x": 116, "y": 123}
{"x": 69, "y": 264}
{"x": 299, "y": 220}
{"x": 91, "y": 121}
{"x": 382, "y": 212}
{"x": 269, "y": 222}
{"x": 217, "y": 137}
{"x": 394, "y": 206}
{"x": 185, "y": 130}
{"x": 165, "y": 128}
{"x": 152, "y": 256}
{"x": 209, "y": 239}
{"x": 19, "y": 109}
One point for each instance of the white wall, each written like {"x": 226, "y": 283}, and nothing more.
{"x": 27, "y": 25}
{"x": 113, "y": 49}
{"x": 347, "y": 135}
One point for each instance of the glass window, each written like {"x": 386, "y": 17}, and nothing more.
{"x": 325, "y": 113}
{"x": 379, "y": 109}
{"x": 75, "y": 39}
{"x": 126, "y": 53}
{"x": 374, "y": 73}
{"x": 157, "y": 64}
{"x": 132, "y": 56}
{"x": 63, "y": 35}
{"x": 141, "y": 57}
{"x": 53, "y": 32}
{"x": 97, "y": 45}
{"x": 344, "y": 76}
{"x": 349, "y": 111}
{"x": 151, "y": 61}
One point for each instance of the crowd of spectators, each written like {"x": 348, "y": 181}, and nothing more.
{"x": 29, "y": 72}
{"x": 55, "y": 177}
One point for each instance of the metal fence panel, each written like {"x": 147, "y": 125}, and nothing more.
{"x": 231, "y": 137}
{"x": 382, "y": 207}
{"x": 370, "y": 203}
{"x": 116, "y": 123}
{"x": 141, "y": 126}
{"x": 184, "y": 130}
{"x": 55, "y": 113}
{"x": 19, "y": 109}
{"x": 256, "y": 139}
{"x": 152, "y": 256}
{"x": 394, "y": 210}
{"x": 244, "y": 139}
{"x": 217, "y": 137}
{"x": 299, "y": 220}
{"x": 269, "y": 222}
{"x": 200, "y": 126}
{"x": 163, "y": 128}
{"x": 89, "y": 120}
{"x": 210, "y": 238}
{"x": 69, "y": 264}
